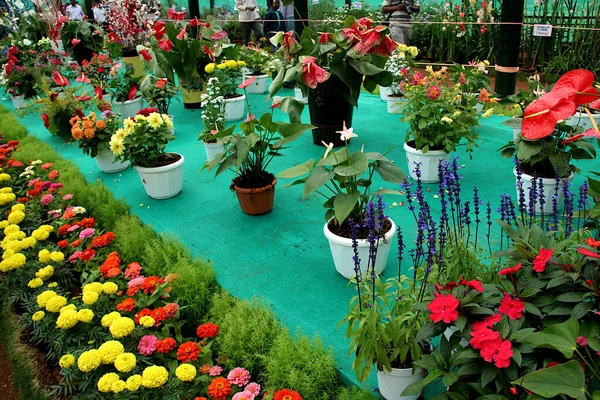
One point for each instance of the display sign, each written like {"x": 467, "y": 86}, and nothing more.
{"x": 542, "y": 30}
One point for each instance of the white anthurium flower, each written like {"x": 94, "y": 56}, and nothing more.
{"x": 329, "y": 148}
{"x": 27, "y": 42}
{"x": 346, "y": 133}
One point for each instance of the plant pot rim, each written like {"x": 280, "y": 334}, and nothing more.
{"x": 238, "y": 97}
{"x": 401, "y": 371}
{"x": 259, "y": 75}
{"x": 162, "y": 168}
{"x": 413, "y": 150}
{"x": 18, "y": 96}
{"x": 361, "y": 242}
{"x": 255, "y": 190}
{"x": 529, "y": 177}
{"x": 135, "y": 99}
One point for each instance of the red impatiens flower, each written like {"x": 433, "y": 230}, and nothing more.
{"x": 592, "y": 243}
{"x": 443, "y": 308}
{"x": 588, "y": 253}
{"x": 510, "y": 271}
{"x": 207, "y": 331}
{"x": 511, "y": 307}
{"x": 287, "y": 394}
{"x": 478, "y": 337}
{"x": 188, "y": 351}
{"x": 473, "y": 284}
{"x": 312, "y": 74}
{"x": 541, "y": 260}
{"x": 498, "y": 351}
{"x": 487, "y": 322}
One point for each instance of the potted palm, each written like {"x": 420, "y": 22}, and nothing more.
{"x": 251, "y": 151}
{"x": 213, "y": 109}
{"x": 123, "y": 88}
{"x": 229, "y": 74}
{"x": 259, "y": 63}
{"x": 440, "y": 118}
{"x": 342, "y": 173}
{"x": 142, "y": 141}
{"x": 332, "y": 68}
{"x": 93, "y": 135}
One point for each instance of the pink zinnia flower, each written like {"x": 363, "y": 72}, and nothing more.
{"x": 47, "y": 165}
{"x": 239, "y": 376}
{"x": 76, "y": 256}
{"x": 433, "y": 92}
{"x": 147, "y": 345}
{"x": 215, "y": 371}
{"x": 253, "y": 388}
{"x": 86, "y": 233}
{"x": 133, "y": 270}
{"x": 243, "y": 396}
{"x": 46, "y": 199}
{"x": 136, "y": 282}
{"x": 33, "y": 181}
{"x": 73, "y": 228}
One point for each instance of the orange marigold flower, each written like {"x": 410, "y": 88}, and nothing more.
{"x": 100, "y": 124}
{"x": 126, "y": 305}
{"x": 166, "y": 345}
{"x": 205, "y": 369}
{"x": 87, "y": 124}
{"x": 89, "y": 133}
{"x": 189, "y": 351}
{"x": 219, "y": 388}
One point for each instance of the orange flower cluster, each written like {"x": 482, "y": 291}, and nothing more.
{"x": 111, "y": 267}
{"x": 189, "y": 351}
{"x": 219, "y": 388}
{"x": 86, "y": 127}
{"x": 126, "y": 305}
{"x": 166, "y": 345}
{"x": 103, "y": 240}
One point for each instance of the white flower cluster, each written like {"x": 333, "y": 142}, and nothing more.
{"x": 28, "y": 171}
{"x": 213, "y": 106}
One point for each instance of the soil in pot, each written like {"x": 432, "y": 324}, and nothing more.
{"x": 167, "y": 159}
{"x": 540, "y": 170}
{"x": 413, "y": 144}
{"x": 252, "y": 181}
{"x": 345, "y": 231}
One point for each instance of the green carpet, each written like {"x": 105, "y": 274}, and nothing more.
{"x": 283, "y": 256}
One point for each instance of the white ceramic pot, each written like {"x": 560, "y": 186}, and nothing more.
{"x": 234, "y": 108}
{"x": 385, "y": 92}
{"x": 342, "y": 252}
{"x": 429, "y": 163}
{"x": 259, "y": 86}
{"x": 107, "y": 97}
{"x": 392, "y": 383}
{"x": 549, "y": 185}
{"x": 395, "y": 105}
{"x": 129, "y": 108}
{"x": 107, "y": 163}
{"x": 298, "y": 95}
{"x": 212, "y": 149}
{"x": 57, "y": 46}
{"x": 163, "y": 182}
{"x": 583, "y": 120}
{"x": 478, "y": 108}
{"x": 18, "y": 101}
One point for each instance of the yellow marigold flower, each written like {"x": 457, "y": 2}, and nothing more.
{"x": 122, "y": 327}
{"x": 118, "y": 386}
{"x": 16, "y": 217}
{"x": 94, "y": 287}
{"x": 40, "y": 235}
{"x": 48, "y": 228}
{"x": 44, "y": 256}
{"x": 56, "y": 303}
{"x": 12, "y": 228}
{"x": 67, "y": 319}
{"x": 28, "y": 242}
{"x": 6, "y": 198}
{"x": 14, "y": 236}
{"x": 89, "y": 361}
{"x": 3, "y": 223}
{"x": 154, "y": 120}
{"x": 57, "y": 256}
{"x": 209, "y": 68}
{"x": 154, "y": 377}
{"x": 231, "y": 64}
{"x": 52, "y": 285}
{"x": 110, "y": 288}
{"x": 110, "y": 350}
{"x": 106, "y": 382}
{"x": 4, "y": 177}
{"x": 45, "y": 273}
{"x": 108, "y": 319}
{"x": 241, "y": 63}
{"x": 13, "y": 262}
{"x": 133, "y": 383}
{"x": 125, "y": 362}
{"x": 147, "y": 321}
{"x": 38, "y": 315}
{"x": 43, "y": 298}
{"x": 35, "y": 283}
{"x": 89, "y": 297}
{"x": 85, "y": 315}
{"x": 221, "y": 66}
{"x": 67, "y": 361}
{"x": 6, "y": 190}
{"x": 186, "y": 372}
{"x": 18, "y": 207}
{"x": 8, "y": 254}
{"x": 68, "y": 307}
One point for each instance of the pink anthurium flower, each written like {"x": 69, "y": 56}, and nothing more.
{"x": 181, "y": 34}
{"x": 195, "y": 22}
{"x": 312, "y": 74}
{"x": 165, "y": 45}
{"x": 325, "y": 37}
{"x": 385, "y": 48}
{"x": 82, "y": 78}
{"x": 247, "y": 82}
{"x": 346, "y": 133}
{"x": 59, "y": 79}
{"x": 219, "y": 35}
{"x": 75, "y": 42}
{"x": 249, "y": 118}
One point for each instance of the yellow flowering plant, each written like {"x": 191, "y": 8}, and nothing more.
{"x": 229, "y": 73}
{"x": 142, "y": 140}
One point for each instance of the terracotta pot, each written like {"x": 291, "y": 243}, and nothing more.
{"x": 256, "y": 201}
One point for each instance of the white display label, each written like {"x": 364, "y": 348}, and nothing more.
{"x": 542, "y": 30}
{"x": 315, "y": 1}
{"x": 357, "y": 5}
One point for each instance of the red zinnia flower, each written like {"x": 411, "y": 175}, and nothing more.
{"x": 166, "y": 345}
{"x": 111, "y": 267}
{"x": 511, "y": 307}
{"x": 88, "y": 254}
{"x": 207, "y": 331}
{"x": 63, "y": 243}
{"x": 150, "y": 284}
{"x": 87, "y": 222}
{"x": 146, "y": 312}
{"x": 127, "y": 305}
{"x": 498, "y": 351}
{"x": 219, "y": 388}
{"x": 103, "y": 240}
{"x": 187, "y": 352}
{"x": 541, "y": 260}
{"x": 443, "y": 308}
{"x": 510, "y": 271}
{"x": 159, "y": 315}
{"x": 287, "y": 394}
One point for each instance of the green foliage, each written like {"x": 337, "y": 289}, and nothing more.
{"x": 355, "y": 394}
{"x": 131, "y": 237}
{"x": 304, "y": 365}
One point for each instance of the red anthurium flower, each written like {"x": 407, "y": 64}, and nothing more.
{"x": 53, "y": 97}
{"x": 582, "y": 341}
{"x": 482, "y": 335}
{"x": 161, "y": 83}
{"x": 473, "y": 284}
{"x": 592, "y": 132}
{"x": 247, "y": 82}
{"x": 159, "y": 29}
{"x": 595, "y": 105}
{"x": 209, "y": 53}
{"x": 82, "y": 78}
{"x": 219, "y": 35}
{"x": 195, "y": 22}
{"x": 385, "y": 48}
{"x": 82, "y": 98}
{"x": 98, "y": 92}
{"x": 371, "y": 37}
{"x": 487, "y": 322}
{"x": 325, "y": 37}
{"x": 165, "y": 45}
{"x": 181, "y": 34}
{"x": 573, "y": 138}
{"x": 275, "y": 105}
{"x": 177, "y": 16}
{"x": 588, "y": 253}
{"x": 132, "y": 93}
{"x": 511, "y": 307}
{"x": 364, "y": 23}
{"x": 146, "y": 55}
{"x": 552, "y": 364}
{"x": 46, "y": 120}
{"x": 592, "y": 243}
{"x": 290, "y": 43}
{"x": 579, "y": 84}
{"x": 312, "y": 74}
{"x": 443, "y": 308}
{"x": 541, "y": 116}
{"x": 513, "y": 391}
{"x": 498, "y": 351}
{"x": 75, "y": 42}
{"x": 249, "y": 118}
{"x": 541, "y": 260}
{"x": 59, "y": 79}
{"x": 510, "y": 271}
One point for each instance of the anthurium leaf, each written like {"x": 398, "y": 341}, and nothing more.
{"x": 567, "y": 379}
{"x": 291, "y": 132}
{"x": 357, "y": 164}
{"x": 417, "y": 387}
{"x": 343, "y": 205}
{"x": 560, "y": 337}
{"x": 298, "y": 170}
{"x": 334, "y": 158}
{"x": 292, "y": 107}
{"x": 318, "y": 177}
{"x": 389, "y": 172}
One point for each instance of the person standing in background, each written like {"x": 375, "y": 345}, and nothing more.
{"x": 249, "y": 19}
{"x": 399, "y": 14}
{"x": 288, "y": 15}
{"x": 99, "y": 13}
{"x": 274, "y": 22}
{"x": 74, "y": 11}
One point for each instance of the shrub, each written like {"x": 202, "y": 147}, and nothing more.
{"x": 355, "y": 394}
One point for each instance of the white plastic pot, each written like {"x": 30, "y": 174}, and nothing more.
{"x": 234, "y": 108}
{"x": 259, "y": 86}
{"x": 107, "y": 163}
{"x": 173, "y": 122}
{"x": 583, "y": 120}
{"x": 342, "y": 252}
{"x": 298, "y": 95}
{"x": 18, "y": 101}
{"x": 212, "y": 149}
{"x": 392, "y": 384}
{"x": 395, "y": 105}
{"x": 385, "y": 92}
{"x": 429, "y": 163}
{"x": 163, "y": 182}
{"x": 57, "y": 46}
{"x": 129, "y": 108}
{"x": 549, "y": 185}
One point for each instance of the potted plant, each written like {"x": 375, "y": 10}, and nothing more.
{"x": 51, "y": 16}
{"x": 142, "y": 141}
{"x": 229, "y": 73}
{"x": 251, "y": 151}
{"x": 472, "y": 78}
{"x": 93, "y": 135}
{"x": 82, "y": 40}
{"x": 259, "y": 63}
{"x": 213, "y": 110}
{"x": 123, "y": 88}
{"x": 399, "y": 65}
{"x": 100, "y": 70}
{"x": 19, "y": 83}
{"x": 332, "y": 68}
{"x": 348, "y": 177}
{"x": 185, "y": 49}
{"x": 521, "y": 101}
{"x": 584, "y": 119}
{"x": 158, "y": 92}
{"x": 440, "y": 118}
{"x": 547, "y": 145}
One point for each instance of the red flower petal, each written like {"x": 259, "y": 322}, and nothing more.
{"x": 573, "y": 138}
{"x": 579, "y": 84}
{"x": 219, "y": 35}
{"x": 588, "y": 253}
{"x": 132, "y": 93}
{"x": 59, "y": 79}
{"x": 247, "y": 83}
{"x": 165, "y": 45}
{"x": 541, "y": 116}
